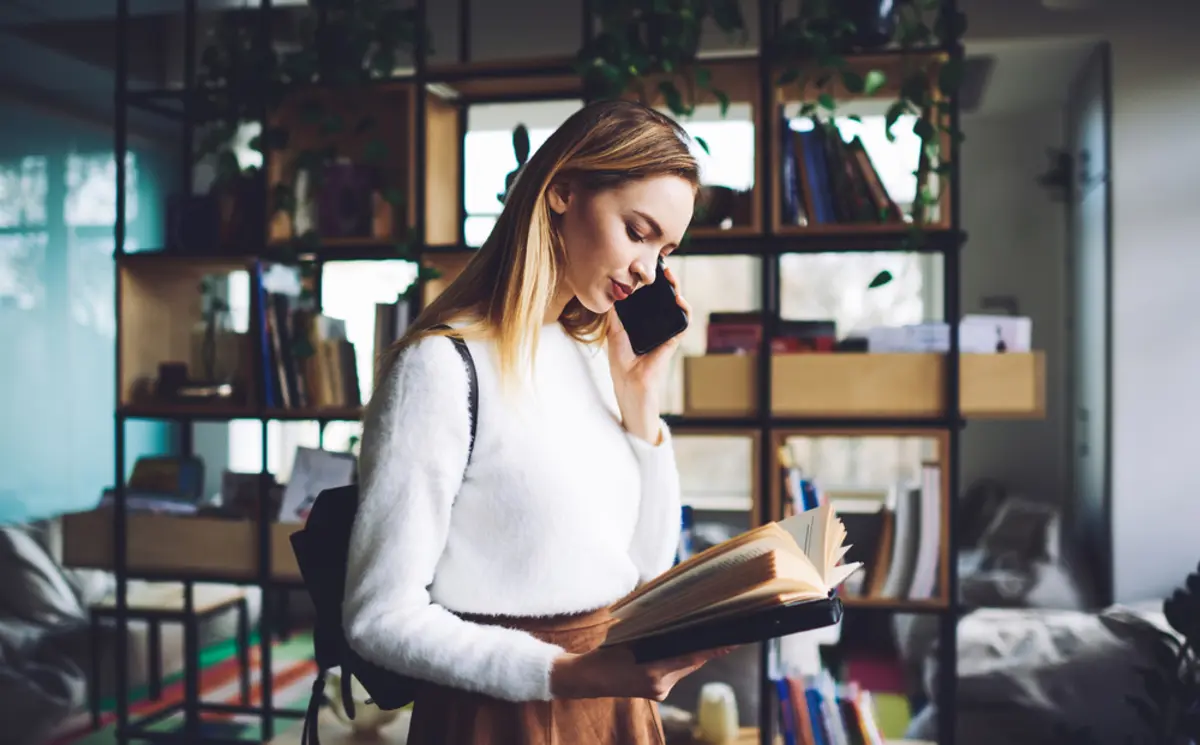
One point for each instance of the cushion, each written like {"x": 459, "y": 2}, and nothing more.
{"x": 32, "y": 585}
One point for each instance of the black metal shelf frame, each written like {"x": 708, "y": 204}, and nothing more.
{"x": 178, "y": 104}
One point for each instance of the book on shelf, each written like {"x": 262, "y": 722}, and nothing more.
{"x": 307, "y": 359}
{"x": 897, "y": 530}
{"x": 816, "y": 709}
{"x": 734, "y": 332}
{"x": 778, "y": 579}
{"x": 827, "y": 180}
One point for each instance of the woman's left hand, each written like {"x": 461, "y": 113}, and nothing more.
{"x": 637, "y": 379}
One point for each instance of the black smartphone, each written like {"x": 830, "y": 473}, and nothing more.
{"x": 651, "y": 315}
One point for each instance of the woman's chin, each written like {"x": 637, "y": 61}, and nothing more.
{"x": 599, "y": 304}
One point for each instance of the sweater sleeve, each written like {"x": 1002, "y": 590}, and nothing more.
{"x": 656, "y": 538}
{"x": 415, "y": 441}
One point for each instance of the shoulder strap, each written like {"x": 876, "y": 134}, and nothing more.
{"x": 472, "y": 384}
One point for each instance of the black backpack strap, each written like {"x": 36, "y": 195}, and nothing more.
{"x": 472, "y": 383}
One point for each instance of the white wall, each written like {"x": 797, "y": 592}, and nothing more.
{"x": 1016, "y": 249}
{"x": 1156, "y": 223}
{"x": 1156, "y": 355}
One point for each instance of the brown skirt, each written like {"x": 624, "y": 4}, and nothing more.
{"x": 447, "y": 716}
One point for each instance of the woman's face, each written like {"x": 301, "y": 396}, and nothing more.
{"x": 613, "y": 238}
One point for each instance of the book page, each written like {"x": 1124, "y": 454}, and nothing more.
{"x": 696, "y": 575}
{"x": 809, "y": 529}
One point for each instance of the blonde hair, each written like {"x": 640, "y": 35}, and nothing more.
{"x": 506, "y": 288}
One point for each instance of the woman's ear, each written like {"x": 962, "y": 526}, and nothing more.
{"x": 559, "y": 195}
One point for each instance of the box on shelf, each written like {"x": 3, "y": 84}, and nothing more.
{"x": 158, "y": 543}
{"x": 866, "y": 385}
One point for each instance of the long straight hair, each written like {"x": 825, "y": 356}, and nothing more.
{"x": 504, "y": 291}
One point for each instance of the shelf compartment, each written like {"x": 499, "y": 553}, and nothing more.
{"x": 189, "y": 545}
{"x": 851, "y": 465}
{"x": 1010, "y": 385}
{"x": 388, "y": 147}
{"x": 895, "y": 67}
{"x": 160, "y": 311}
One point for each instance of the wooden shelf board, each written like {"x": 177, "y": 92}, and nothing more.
{"x": 839, "y": 229}
{"x": 216, "y": 412}
{"x": 186, "y": 411}
{"x": 507, "y": 79}
{"x": 899, "y": 605}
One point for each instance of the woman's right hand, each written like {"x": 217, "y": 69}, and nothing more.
{"x": 612, "y": 672}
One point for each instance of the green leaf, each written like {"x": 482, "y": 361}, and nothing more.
{"x": 923, "y": 129}
{"x": 393, "y": 196}
{"x": 853, "y": 82}
{"x": 673, "y": 98}
{"x": 893, "y": 114}
{"x": 788, "y": 76}
{"x": 826, "y": 102}
{"x": 880, "y": 279}
{"x": 704, "y": 78}
{"x": 950, "y": 76}
{"x": 703, "y": 143}
{"x": 723, "y": 100}
{"x": 375, "y": 151}
{"x": 874, "y": 80}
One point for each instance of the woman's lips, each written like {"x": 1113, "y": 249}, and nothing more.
{"x": 621, "y": 291}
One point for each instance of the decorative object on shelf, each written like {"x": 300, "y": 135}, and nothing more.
{"x": 716, "y": 715}
{"x": 216, "y": 313}
{"x": 811, "y": 53}
{"x": 640, "y": 40}
{"x": 520, "y": 138}
{"x": 345, "y": 208}
{"x": 331, "y": 46}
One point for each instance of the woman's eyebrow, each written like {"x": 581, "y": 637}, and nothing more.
{"x": 654, "y": 226}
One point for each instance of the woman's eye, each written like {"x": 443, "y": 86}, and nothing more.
{"x": 634, "y": 236}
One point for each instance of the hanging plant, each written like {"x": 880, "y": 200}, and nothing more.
{"x": 812, "y": 52}
{"x": 640, "y": 41}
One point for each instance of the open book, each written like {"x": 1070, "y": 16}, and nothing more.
{"x": 774, "y": 580}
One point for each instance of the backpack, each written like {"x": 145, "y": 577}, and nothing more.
{"x": 322, "y": 550}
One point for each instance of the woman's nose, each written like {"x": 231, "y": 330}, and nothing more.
{"x": 644, "y": 277}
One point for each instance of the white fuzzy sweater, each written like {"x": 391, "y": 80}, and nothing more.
{"x": 561, "y": 511}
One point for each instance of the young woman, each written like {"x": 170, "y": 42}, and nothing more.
{"x": 488, "y": 579}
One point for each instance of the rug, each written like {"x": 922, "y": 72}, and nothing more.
{"x": 293, "y": 668}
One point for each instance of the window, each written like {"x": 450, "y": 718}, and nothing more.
{"x": 489, "y": 156}
{"x": 23, "y": 237}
